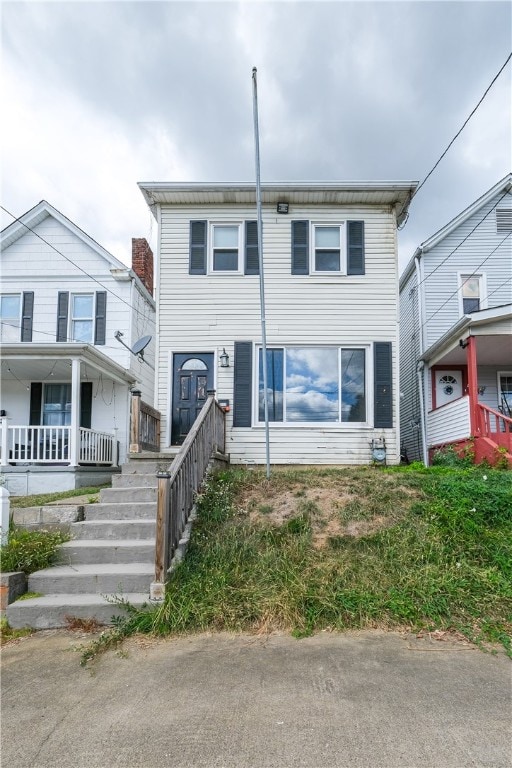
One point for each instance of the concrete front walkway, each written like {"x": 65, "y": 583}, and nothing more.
{"x": 361, "y": 699}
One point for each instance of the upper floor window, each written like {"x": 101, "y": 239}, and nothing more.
{"x": 471, "y": 293}
{"x": 225, "y": 248}
{"x": 82, "y": 317}
{"x": 336, "y": 248}
{"x": 10, "y": 311}
{"x": 16, "y": 311}
{"x": 230, "y": 248}
{"x": 82, "y": 314}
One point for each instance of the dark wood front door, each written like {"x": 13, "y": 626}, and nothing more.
{"x": 192, "y": 378}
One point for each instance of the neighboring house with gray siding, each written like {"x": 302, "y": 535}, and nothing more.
{"x": 331, "y": 289}
{"x": 65, "y": 379}
{"x": 456, "y": 332}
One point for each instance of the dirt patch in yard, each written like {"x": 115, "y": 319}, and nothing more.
{"x": 351, "y": 504}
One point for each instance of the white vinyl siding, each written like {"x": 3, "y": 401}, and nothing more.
{"x": 210, "y": 312}
{"x": 449, "y": 423}
{"x": 410, "y": 411}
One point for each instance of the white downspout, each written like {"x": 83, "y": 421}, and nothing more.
{"x": 421, "y": 370}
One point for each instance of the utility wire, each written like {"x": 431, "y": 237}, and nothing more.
{"x": 413, "y": 194}
{"x": 427, "y": 277}
{"x": 91, "y": 277}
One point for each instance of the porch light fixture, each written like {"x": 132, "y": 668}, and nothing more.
{"x": 224, "y": 359}
{"x": 463, "y": 344}
{"x": 481, "y": 389}
{"x": 282, "y": 207}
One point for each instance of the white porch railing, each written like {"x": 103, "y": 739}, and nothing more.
{"x": 22, "y": 444}
{"x": 97, "y": 447}
{"x": 450, "y": 422}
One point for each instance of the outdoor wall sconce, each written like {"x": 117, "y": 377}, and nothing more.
{"x": 282, "y": 207}
{"x": 481, "y": 390}
{"x": 463, "y": 343}
{"x": 224, "y": 359}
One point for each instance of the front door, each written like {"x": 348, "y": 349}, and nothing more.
{"x": 448, "y": 386}
{"x": 192, "y": 378}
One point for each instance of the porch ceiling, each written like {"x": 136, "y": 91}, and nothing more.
{"x": 46, "y": 362}
{"x": 490, "y": 350}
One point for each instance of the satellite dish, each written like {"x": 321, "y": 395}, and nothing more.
{"x": 140, "y": 345}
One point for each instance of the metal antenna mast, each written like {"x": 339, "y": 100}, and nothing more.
{"x": 260, "y": 260}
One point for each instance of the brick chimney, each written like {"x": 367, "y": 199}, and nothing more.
{"x": 142, "y": 261}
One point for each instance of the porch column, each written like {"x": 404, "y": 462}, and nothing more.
{"x": 472, "y": 385}
{"x": 5, "y": 441}
{"x": 74, "y": 449}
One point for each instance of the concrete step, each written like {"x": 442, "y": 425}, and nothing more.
{"x": 89, "y": 551}
{"x": 138, "y": 510}
{"x": 51, "y": 611}
{"x": 105, "y": 578}
{"x": 110, "y": 495}
{"x": 114, "y": 529}
{"x": 135, "y": 480}
{"x": 146, "y": 465}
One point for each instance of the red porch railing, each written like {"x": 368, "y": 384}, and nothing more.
{"x": 495, "y": 425}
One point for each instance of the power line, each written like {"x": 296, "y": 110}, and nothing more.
{"x": 473, "y": 274}
{"x": 427, "y": 277}
{"x": 91, "y": 277}
{"x": 413, "y": 194}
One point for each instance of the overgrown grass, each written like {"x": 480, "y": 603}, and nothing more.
{"x": 30, "y": 551}
{"x": 39, "y": 499}
{"x": 7, "y": 633}
{"x": 443, "y": 558}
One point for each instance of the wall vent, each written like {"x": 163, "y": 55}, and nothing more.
{"x": 503, "y": 220}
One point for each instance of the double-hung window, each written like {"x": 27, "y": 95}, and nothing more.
{"x": 327, "y": 248}
{"x": 82, "y": 317}
{"x": 314, "y": 384}
{"x": 471, "y": 289}
{"x": 57, "y": 405}
{"x": 225, "y": 249}
{"x": 10, "y": 311}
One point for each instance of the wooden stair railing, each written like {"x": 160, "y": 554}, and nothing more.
{"x": 144, "y": 425}
{"x": 178, "y": 488}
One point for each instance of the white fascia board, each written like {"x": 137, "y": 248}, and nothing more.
{"x": 505, "y": 185}
{"x": 35, "y": 215}
{"x": 70, "y": 351}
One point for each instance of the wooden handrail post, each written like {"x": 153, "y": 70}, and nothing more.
{"x": 157, "y": 588}
{"x": 135, "y": 422}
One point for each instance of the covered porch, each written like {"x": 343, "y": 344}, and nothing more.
{"x": 468, "y": 382}
{"x": 63, "y": 406}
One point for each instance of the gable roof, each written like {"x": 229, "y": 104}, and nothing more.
{"x": 307, "y": 192}
{"x": 39, "y": 213}
{"x": 504, "y": 186}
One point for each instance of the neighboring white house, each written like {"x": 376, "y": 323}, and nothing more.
{"x": 331, "y": 290}
{"x": 456, "y": 333}
{"x": 65, "y": 378}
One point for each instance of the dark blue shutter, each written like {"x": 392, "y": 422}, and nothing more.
{"x": 300, "y": 247}
{"x": 27, "y": 315}
{"x": 36, "y": 396}
{"x": 62, "y": 316}
{"x": 100, "y": 326}
{"x": 197, "y": 264}
{"x": 383, "y": 384}
{"x": 252, "y": 263}
{"x": 86, "y": 404}
{"x": 355, "y": 248}
{"x": 242, "y": 393}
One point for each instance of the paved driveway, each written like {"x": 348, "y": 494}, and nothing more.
{"x": 361, "y": 699}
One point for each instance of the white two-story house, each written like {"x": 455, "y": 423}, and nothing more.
{"x": 331, "y": 311}
{"x": 456, "y": 334}
{"x": 65, "y": 377}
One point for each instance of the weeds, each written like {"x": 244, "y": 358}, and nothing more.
{"x": 443, "y": 559}
{"x": 39, "y": 499}
{"x": 30, "y": 551}
{"x": 7, "y": 633}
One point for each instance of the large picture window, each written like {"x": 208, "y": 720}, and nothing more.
{"x": 314, "y": 384}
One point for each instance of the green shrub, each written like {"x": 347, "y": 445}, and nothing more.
{"x": 450, "y": 457}
{"x": 30, "y": 551}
